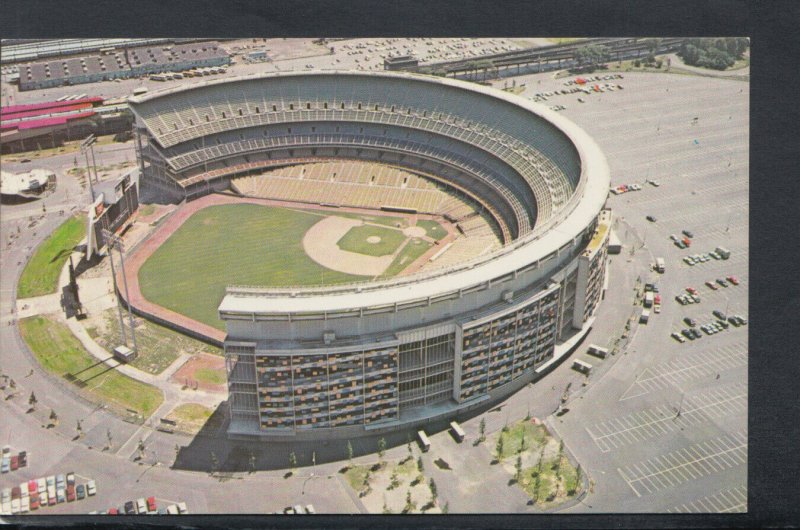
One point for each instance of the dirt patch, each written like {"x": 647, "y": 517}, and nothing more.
{"x": 195, "y": 372}
{"x": 320, "y": 245}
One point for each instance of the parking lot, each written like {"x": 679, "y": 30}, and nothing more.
{"x": 665, "y": 428}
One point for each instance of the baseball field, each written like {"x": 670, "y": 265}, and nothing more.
{"x": 255, "y": 244}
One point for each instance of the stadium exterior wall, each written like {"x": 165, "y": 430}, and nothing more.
{"x": 353, "y": 360}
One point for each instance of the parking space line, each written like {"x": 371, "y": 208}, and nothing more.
{"x": 628, "y": 482}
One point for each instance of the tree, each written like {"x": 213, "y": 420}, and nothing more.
{"x": 482, "y": 430}
{"x": 385, "y": 507}
{"x": 214, "y": 462}
{"x": 381, "y": 449}
{"x": 252, "y": 462}
{"x": 110, "y": 438}
{"x": 350, "y": 452}
{"x": 141, "y": 448}
{"x": 578, "y": 475}
{"x": 53, "y": 417}
{"x": 408, "y": 446}
{"x": 292, "y": 460}
{"x": 499, "y": 447}
{"x": 79, "y": 429}
{"x": 410, "y": 504}
{"x": 394, "y": 482}
{"x": 32, "y": 401}
{"x": 522, "y": 441}
{"x": 420, "y": 467}
{"x": 518, "y": 467}
{"x": 434, "y": 491}
{"x": 446, "y": 507}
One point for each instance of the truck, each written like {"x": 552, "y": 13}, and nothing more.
{"x": 723, "y": 252}
{"x": 581, "y": 366}
{"x": 597, "y": 351}
{"x": 660, "y": 265}
{"x": 648, "y": 299}
{"x": 645, "y": 316}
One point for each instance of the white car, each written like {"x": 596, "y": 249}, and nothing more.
{"x": 5, "y": 508}
{"x": 91, "y": 488}
{"x": 172, "y": 509}
{"x": 25, "y": 505}
{"x": 182, "y": 508}
{"x": 15, "y": 505}
{"x": 141, "y": 506}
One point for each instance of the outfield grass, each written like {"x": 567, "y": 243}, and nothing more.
{"x": 355, "y": 240}
{"x": 413, "y": 250}
{"x": 60, "y": 353}
{"x": 433, "y": 229}
{"x": 245, "y": 244}
{"x": 41, "y": 273}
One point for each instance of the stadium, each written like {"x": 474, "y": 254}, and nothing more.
{"x": 383, "y": 250}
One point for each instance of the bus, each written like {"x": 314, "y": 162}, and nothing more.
{"x": 597, "y": 351}
{"x": 424, "y": 443}
{"x": 458, "y": 432}
{"x": 660, "y": 265}
{"x": 139, "y": 91}
{"x": 581, "y": 366}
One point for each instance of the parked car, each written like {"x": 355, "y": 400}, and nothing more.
{"x": 688, "y": 334}
{"x": 687, "y": 233}
{"x": 14, "y": 464}
{"x": 23, "y": 459}
{"x": 651, "y": 218}
{"x": 310, "y": 509}
{"x": 91, "y": 488}
{"x": 51, "y": 496}
{"x": 677, "y": 336}
{"x": 70, "y": 492}
{"x": 722, "y": 282}
{"x": 719, "y": 314}
{"x": 141, "y": 505}
{"x": 690, "y": 321}
{"x": 691, "y": 290}
{"x": 688, "y": 260}
{"x": 61, "y": 495}
{"x": 182, "y": 508}
{"x": 5, "y": 466}
{"x": 172, "y": 509}
{"x": 733, "y": 280}
{"x": 80, "y": 491}
{"x": 35, "y": 501}
{"x": 113, "y": 511}
{"x": 151, "y": 504}
{"x": 33, "y": 486}
{"x": 711, "y": 285}
{"x": 71, "y": 478}
{"x": 696, "y": 333}
{"x": 130, "y": 508}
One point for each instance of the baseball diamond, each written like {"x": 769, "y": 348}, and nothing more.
{"x": 493, "y": 254}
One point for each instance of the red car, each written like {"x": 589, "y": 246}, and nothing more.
{"x": 70, "y": 492}
{"x": 34, "y": 501}
{"x": 151, "y": 504}
{"x": 733, "y": 280}
{"x": 691, "y": 290}
{"x": 14, "y": 463}
{"x": 657, "y": 299}
{"x": 113, "y": 511}
{"x": 33, "y": 487}
{"x": 712, "y": 285}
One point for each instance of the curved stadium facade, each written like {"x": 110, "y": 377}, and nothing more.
{"x": 355, "y": 359}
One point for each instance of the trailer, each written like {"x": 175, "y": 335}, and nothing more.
{"x": 457, "y": 431}
{"x": 581, "y": 366}
{"x": 424, "y": 442}
{"x": 597, "y": 351}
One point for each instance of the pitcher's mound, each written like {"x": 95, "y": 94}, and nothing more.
{"x": 414, "y": 231}
{"x": 373, "y": 239}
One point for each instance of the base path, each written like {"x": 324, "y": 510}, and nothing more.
{"x": 319, "y": 243}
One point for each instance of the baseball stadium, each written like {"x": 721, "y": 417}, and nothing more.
{"x": 374, "y": 251}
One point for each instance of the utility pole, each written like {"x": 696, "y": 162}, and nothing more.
{"x": 114, "y": 241}
{"x": 86, "y": 146}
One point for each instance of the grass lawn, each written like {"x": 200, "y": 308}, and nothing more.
{"x": 158, "y": 346}
{"x": 41, "y": 273}
{"x": 433, "y": 229}
{"x": 413, "y": 250}
{"x": 535, "y": 436}
{"x": 190, "y": 417}
{"x": 355, "y": 240}
{"x": 209, "y": 375}
{"x": 146, "y": 209}
{"x": 60, "y": 353}
{"x": 245, "y": 244}
{"x": 355, "y": 476}
{"x": 552, "y": 488}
